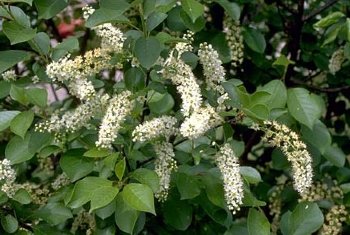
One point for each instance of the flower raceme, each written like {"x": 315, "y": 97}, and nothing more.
{"x": 228, "y": 165}
{"x": 288, "y": 141}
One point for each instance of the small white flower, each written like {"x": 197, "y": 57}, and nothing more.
{"x": 336, "y": 61}
{"x": 162, "y": 126}
{"x": 119, "y": 107}
{"x": 164, "y": 165}
{"x": 9, "y": 75}
{"x": 228, "y": 165}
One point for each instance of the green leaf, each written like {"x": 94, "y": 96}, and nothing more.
{"x": 134, "y": 79}
{"x": 231, "y": 8}
{"x": 11, "y": 57}
{"x": 323, "y": 140}
{"x": 104, "y": 15}
{"x": 155, "y": 19}
{"x": 18, "y": 94}
{"x": 303, "y": 107}
{"x": 41, "y": 43}
{"x": 97, "y": 190}
{"x": 257, "y": 223}
{"x": 195, "y": 26}
{"x": 335, "y": 155}
{"x": 9, "y": 223}
{"x": 161, "y": 103}
{"x": 22, "y": 196}
{"x": 17, "y": 33}
{"x": 329, "y": 20}
{"x": 6, "y": 117}
{"x": 147, "y": 51}
{"x": 278, "y": 94}
{"x": 70, "y": 44}
{"x": 97, "y": 153}
{"x": 106, "y": 211}
{"x": 4, "y": 89}
{"x": 49, "y": 8}
{"x": 39, "y": 140}
{"x": 125, "y": 215}
{"x": 17, "y": 150}
{"x": 37, "y": 96}
{"x": 178, "y": 214}
{"x": 255, "y": 40}
{"x": 193, "y": 9}
{"x": 75, "y": 165}
{"x": 29, "y": 2}
{"x": 306, "y": 218}
{"x": 187, "y": 186}
{"x": 139, "y": 197}
{"x": 54, "y": 213}
{"x": 120, "y": 169}
{"x": 259, "y": 111}
{"x": 250, "y": 174}
{"x": 21, "y": 123}
{"x": 148, "y": 177}
{"x": 17, "y": 14}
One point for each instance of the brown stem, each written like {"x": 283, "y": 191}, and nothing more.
{"x": 320, "y": 89}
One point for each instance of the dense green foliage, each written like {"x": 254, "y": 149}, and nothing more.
{"x": 63, "y": 172}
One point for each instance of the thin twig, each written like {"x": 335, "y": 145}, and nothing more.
{"x": 319, "y": 10}
{"x": 321, "y": 89}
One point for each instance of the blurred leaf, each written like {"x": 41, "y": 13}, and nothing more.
{"x": 54, "y": 213}
{"x": 155, "y": 19}
{"x": 17, "y": 150}
{"x": 37, "y": 96}
{"x": 75, "y": 165}
{"x": 193, "y": 9}
{"x": 41, "y": 43}
{"x": 306, "y": 218}
{"x": 329, "y": 20}
{"x": 278, "y": 94}
{"x": 97, "y": 190}
{"x": 148, "y": 177}
{"x": 303, "y": 107}
{"x": 17, "y": 33}
{"x": 139, "y": 197}
{"x": 21, "y": 123}
{"x": 49, "y": 8}
{"x": 323, "y": 140}
{"x": 147, "y": 51}
{"x": 9, "y": 223}
{"x": 254, "y": 39}
{"x": 187, "y": 186}
{"x": 231, "y": 8}
{"x": 97, "y": 153}
{"x": 120, "y": 169}
{"x": 177, "y": 213}
{"x": 22, "y": 196}
{"x": 335, "y": 155}
{"x": 161, "y": 103}
{"x": 125, "y": 215}
{"x": 11, "y": 57}
{"x": 258, "y": 223}
{"x": 250, "y": 174}
{"x": 6, "y": 117}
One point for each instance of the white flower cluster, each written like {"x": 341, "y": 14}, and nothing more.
{"x": 112, "y": 39}
{"x": 60, "y": 181}
{"x": 119, "y": 107}
{"x": 7, "y": 175}
{"x": 76, "y": 119}
{"x": 182, "y": 47}
{"x": 288, "y": 141}
{"x": 75, "y": 72}
{"x": 152, "y": 129}
{"x": 9, "y": 75}
{"x": 199, "y": 122}
{"x": 321, "y": 191}
{"x": 228, "y": 165}
{"x": 234, "y": 39}
{"x": 336, "y": 61}
{"x": 182, "y": 76}
{"x": 334, "y": 219}
{"x": 164, "y": 165}
{"x": 212, "y": 67}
